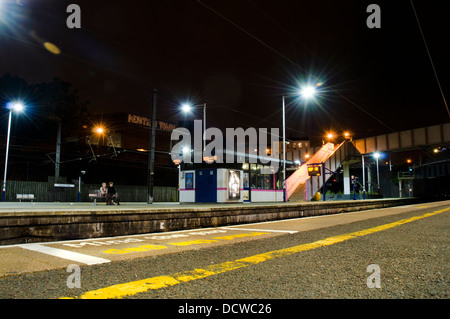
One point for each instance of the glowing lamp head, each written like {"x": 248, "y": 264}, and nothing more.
{"x": 16, "y": 106}
{"x": 376, "y": 155}
{"x": 186, "y": 108}
{"x": 330, "y": 136}
{"x": 99, "y": 130}
{"x": 308, "y": 92}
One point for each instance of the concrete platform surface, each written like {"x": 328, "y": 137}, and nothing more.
{"x": 67, "y": 207}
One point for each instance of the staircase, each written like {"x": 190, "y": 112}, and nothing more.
{"x": 299, "y": 193}
{"x": 300, "y": 186}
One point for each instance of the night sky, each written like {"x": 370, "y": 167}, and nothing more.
{"x": 241, "y": 56}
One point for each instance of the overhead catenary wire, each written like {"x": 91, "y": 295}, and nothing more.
{"x": 291, "y": 61}
{"x": 431, "y": 60}
{"x": 311, "y": 75}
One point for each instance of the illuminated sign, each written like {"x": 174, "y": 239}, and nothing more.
{"x": 314, "y": 170}
{"x": 146, "y": 122}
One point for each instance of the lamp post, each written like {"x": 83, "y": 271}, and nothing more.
{"x": 284, "y": 150}
{"x": 377, "y": 156}
{"x": 364, "y": 176}
{"x": 151, "y": 154}
{"x": 79, "y": 185}
{"x": 13, "y": 107}
{"x": 306, "y": 92}
{"x": 186, "y": 108}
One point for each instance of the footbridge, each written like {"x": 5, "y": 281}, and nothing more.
{"x": 429, "y": 136}
{"x": 300, "y": 186}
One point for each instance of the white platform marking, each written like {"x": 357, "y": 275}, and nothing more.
{"x": 263, "y": 230}
{"x": 66, "y": 254}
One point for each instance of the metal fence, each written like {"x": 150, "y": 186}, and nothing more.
{"x": 47, "y": 192}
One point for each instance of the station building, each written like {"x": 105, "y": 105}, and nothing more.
{"x": 230, "y": 183}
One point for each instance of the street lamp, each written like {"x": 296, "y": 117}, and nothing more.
{"x": 377, "y": 156}
{"x": 306, "y": 92}
{"x": 329, "y": 136}
{"x": 79, "y": 185}
{"x": 100, "y": 131}
{"x": 347, "y": 136}
{"x": 185, "y": 150}
{"x": 187, "y": 108}
{"x": 13, "y": 107}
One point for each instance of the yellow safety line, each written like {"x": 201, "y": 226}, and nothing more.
{"x": 135, "y": 287}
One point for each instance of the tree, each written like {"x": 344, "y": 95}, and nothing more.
{"x": 58, "y": 103}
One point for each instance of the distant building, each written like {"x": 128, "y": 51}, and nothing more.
{"x": 297, "y": 149}
{"x": 130, "y": 131}
{"x": 121, "y": 141}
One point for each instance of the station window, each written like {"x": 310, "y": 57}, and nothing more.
{"x": 265, "y": 177}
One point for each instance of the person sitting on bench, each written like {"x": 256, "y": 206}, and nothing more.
{"x": 103, "y": 190}
{"x": 113, "y": 196}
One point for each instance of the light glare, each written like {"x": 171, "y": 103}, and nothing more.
{"x": 186, "y": 108}
{"x": 15, "y": 106}
{"x": 52, "y": 48}
{"x": 308, "y": 92}
{"x": 18, "y": 107}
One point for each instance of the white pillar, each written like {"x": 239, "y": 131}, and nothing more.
{"x": 347, "y": 189}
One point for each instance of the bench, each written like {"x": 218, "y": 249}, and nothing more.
{"x": 96, "y": 195}
{"x": 25, "y": 196}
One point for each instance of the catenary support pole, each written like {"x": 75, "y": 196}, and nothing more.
{"x": 151, "y": 158}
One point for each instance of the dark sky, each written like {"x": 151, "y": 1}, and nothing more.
{"x": 374, "y": 80}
